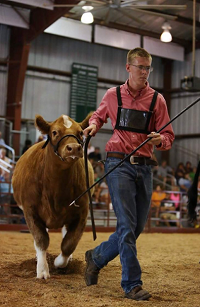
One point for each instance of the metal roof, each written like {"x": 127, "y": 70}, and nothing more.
{"x": 136, "y": 16}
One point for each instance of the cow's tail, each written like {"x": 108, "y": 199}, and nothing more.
{"x": 192, "y": 196}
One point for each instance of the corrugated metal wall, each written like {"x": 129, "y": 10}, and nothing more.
{"x": 188, "y": 123}
{"x": 4, "y": 50}
{"x": 50, "y": 95}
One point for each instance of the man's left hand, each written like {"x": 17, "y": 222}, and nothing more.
{"x": 156, "y": 138}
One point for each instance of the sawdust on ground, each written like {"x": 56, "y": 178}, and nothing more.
{"x": 170, "y": 266}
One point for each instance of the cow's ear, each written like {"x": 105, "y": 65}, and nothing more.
{"x": 41, "y": 124}
{"x": 85, "y": 123}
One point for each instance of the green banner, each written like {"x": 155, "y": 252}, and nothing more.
{"x": 83, "y": 90}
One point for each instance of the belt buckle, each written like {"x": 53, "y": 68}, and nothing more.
{"x": 132, "y": 160}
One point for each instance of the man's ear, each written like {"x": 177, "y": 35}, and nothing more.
{"x": 128, "y": 67}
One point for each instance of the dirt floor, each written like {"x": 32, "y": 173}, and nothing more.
{"x": 170, "y": 265}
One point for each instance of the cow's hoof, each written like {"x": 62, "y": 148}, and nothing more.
{"x": 43, "y": 275}
{"x": 62, "y": 261}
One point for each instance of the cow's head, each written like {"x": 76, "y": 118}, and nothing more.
{"x": 65, "y": 136}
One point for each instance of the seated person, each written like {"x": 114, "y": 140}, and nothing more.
{"x": 188, "y": 167}
{"x": 103, "y": 195}
{"x": 166, "y": 215}
{"x": 96, "y": 188}
{"x": 5, "y": 164}
{"x": 165, "y": 173}
{"x": 157, "y": 196}
{"x": 180, "y": 171}
{"x": 95, "y": 155}
{"x": 175, "y": 196}
{"x": 185, "y": 183}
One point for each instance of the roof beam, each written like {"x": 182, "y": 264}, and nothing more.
{"x": 197, "y": 1}
{"x": 41, "y": 19}
{"x": 181, "y": 19}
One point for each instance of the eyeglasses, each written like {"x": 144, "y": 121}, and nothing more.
{"x": 141, "y": 67}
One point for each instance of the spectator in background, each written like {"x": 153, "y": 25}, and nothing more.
{"x": 165, "y": 173}
{"x": 180, "y": 172}
{"x": 90, "y": 148}
{"x": 185, "y": 183}
{"x": 2, "y": 142}
{"x": 188, "y": 167}
{"x": 95, "y": 194}
{"x": 166, "y": 215}
{"x": 157, "y": 196}
{"x": 4, "y": 166}
{"x": 99, "y": 169}
{"x": 40, "y": 138}
{"x": 176, "y": 197}
{"x": 27, "y": 145}
{"x": 95, "y": 155}
{"x": 103, "y": 195}
{"x": 192, "y": 173}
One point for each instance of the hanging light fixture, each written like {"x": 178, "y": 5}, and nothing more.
{"x": 166, "y": 36}
{"x": 87, "y": 16}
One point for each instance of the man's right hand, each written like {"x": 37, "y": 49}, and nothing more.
{"x": 91, "y": 130}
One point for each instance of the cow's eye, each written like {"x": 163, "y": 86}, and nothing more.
{"x": 54, "y": 133}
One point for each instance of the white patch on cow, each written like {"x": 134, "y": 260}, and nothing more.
{"x": 42, "y": 265}
{"x": 67, "y": 122}
{"x": 62, "y": 261}
{"x": 64, "y": 231}
{"x": 20, "y": 206}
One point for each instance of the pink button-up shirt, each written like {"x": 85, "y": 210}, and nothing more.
{"x": 125, "y": 141}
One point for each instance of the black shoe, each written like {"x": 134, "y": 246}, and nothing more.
{"x": 138, "y": 294}
{"x": 91, "y": 271}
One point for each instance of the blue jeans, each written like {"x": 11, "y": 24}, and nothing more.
{"x": 130, "y": 188}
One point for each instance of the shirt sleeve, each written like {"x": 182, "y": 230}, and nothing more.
{"x": 99, "y": 117}
{"x": 161, "y": 118}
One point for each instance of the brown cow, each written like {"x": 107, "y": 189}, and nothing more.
{"x": 46, "y": 180}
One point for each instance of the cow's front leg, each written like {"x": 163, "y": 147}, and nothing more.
{"x": 71, "y": 239}
{"x": 41, "y": 242}
{"x": 42, "y": 265}
{"x": 62, "y": 261}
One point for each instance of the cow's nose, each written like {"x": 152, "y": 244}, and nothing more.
{"x": 73, "y": 148}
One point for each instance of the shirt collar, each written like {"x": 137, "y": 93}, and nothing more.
{"x": 140, "y": 92}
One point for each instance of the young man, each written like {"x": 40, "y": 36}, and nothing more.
{"x": 136, "y": 112}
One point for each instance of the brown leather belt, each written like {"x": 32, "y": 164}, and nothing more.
{"x": 133, "y": 159}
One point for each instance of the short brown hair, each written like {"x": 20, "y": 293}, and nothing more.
{"x": 137, "y": 52}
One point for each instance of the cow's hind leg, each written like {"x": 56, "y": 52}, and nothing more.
{"x": 69, "y": 242}
{"x": 41, "y": 243}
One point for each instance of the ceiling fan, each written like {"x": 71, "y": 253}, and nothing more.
{"x": 125, "y": 7}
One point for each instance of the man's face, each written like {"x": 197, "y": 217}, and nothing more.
{"x": 139, "y": 70}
